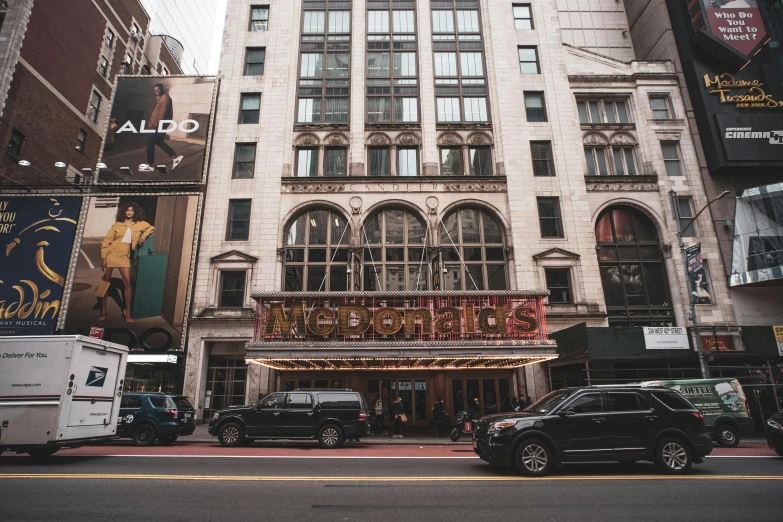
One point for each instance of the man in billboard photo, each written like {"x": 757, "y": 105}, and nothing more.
{"x": 163, "y": 110}
{"x": 128, "y": 232}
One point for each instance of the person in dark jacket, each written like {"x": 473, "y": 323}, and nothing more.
{"x": 163, "y": 110}
{"x": 439, "y": 416}
{"x": 397, "y": 412}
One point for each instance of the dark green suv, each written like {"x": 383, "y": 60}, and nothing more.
{"x": 145, "y": 417}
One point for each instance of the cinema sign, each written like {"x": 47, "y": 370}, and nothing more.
{"x": 404, "y": 316}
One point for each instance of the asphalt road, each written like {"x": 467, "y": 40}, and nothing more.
{"x": 334, "y": 487}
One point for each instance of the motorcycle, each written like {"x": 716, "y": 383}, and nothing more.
{"x": 463, "y": 425}
{"x": 775, "y": 433}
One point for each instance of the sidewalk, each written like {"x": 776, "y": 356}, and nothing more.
{"x": 412, "y": 436}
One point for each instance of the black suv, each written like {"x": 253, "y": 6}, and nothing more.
{"x": 145, "y": 417}
{"x": 597, "y": 423}
{"x": 329, "y": 415}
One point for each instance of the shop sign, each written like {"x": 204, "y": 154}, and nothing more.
{"x": 425, "y": 318}
{"x": 779, "y": 338}
{"x": 718, "y": 343}
{"x": 743, "y": 94}
{"x": 751, "y": 137}
{"x": 736, "y": 26}
{"x": 665, "y": 338}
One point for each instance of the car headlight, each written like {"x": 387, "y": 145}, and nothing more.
{"x": 775, "y": 425}
{"x": 498, "y": 426}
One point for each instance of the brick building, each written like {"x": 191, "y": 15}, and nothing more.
{"x": 58, "y": 62}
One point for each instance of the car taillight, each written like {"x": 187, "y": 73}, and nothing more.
{"x": 699, "y": 416}
{"x": 362, "y": 415}
{"x": 172, "y": 412}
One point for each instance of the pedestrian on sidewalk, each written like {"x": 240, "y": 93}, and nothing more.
{"x": 379, "y": 414}
{"x": 528, "y": 401}
{"x": 439, "y": 414}
{"x": 398, "y": 413}
{"x": 515, "y": 404}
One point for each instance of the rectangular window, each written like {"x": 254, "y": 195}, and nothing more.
{"x": 95, "y": 106}
{"x": 309, "y": 110}
{"x": 471, "y": 64}
{"x": 339, "y": 21}
{"x": 232, "y": 289}
{"x": 476, "y": 109}
{"x": 445, "y": 64}
{"x": 407, "y": 162}
{"x": 602, "y": 111}
{"x": 254, "y": 61}
{"x": 523, "y": 18}
{"x": 335, "y": 162}
{"x": 312, "y": 65}
{"x": 378, "y": 109}
{"x": 403, "y": 22}
{"x": 451, "y": 161}
{"x": 448, "y": 109}
{"x": 443, "y": 21}
{"x": 624, "y": 164}
{"x": 306, "y": 163}
{"x": 543, "y": 163}
{"x": 81, "y": 139}
{"x": 528, "y": 60}
{"x": 480, "y": 164}
{"x": 379, "y": 161}
{"x": 336, "y": 110}
{"x": 595, "y": 157}
{"x": 259, "y": 18}
{"x": 238, "y": 220}
{"x": 250, "y": 108}
{"x": 671, "y": 158}
{"x": 404, "y": 64}
{"x": 558, "y": 282}
{"x": 14, "y": 149}
{"x": 467, "y": 22}
{"x": 534, "y": 106}
{"x": 313, "y": 22}
{"x": 244, "y": 160}
{"x": 103, "y": 66}
{"x": 686, "y": 217}
{"x": 337, "y": 65}
{"x": 406, "y": 109}
{"x": 109, "y": 38}
{"x": 660, "y": 107}
{"x": 378, "y": 21}
{"x": 549, "y": 217}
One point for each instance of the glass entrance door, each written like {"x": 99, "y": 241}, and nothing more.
{"x": 226, "y": 378}
{"x": 413, "y": 395}
{"x": 481, "y": 396}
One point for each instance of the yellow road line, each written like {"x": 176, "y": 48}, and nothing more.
{"x": 284, "y": 478}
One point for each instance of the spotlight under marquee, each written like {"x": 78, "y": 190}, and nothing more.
{"x": 461, "y": 362}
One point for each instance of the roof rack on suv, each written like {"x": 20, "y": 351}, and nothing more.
{"x": 323, "y": 389}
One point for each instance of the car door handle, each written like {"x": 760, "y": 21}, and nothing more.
{"x": 599, "y": 421}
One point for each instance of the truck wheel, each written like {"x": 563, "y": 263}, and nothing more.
{"x": 144, "y": 435}
{"x": 330, "y": 437}
{"x": 231, "y": 435}
{"x": 42, "y": 453}
{"x": 673, "y": 456}
{"x": 534, "y": 458}
{"x": 727, "y": 436}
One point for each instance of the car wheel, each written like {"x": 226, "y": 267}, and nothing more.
{"x": 144, "y": 435}
{"x": 42, "y": 453}
{"x": 728, "y": 436}
{"x": 673, "y": 456}
{"x": 454, "y": 435}
{"x": 231, "y": 435}
{"x": 534, "y": 458}
{"x": 330, "y": 436}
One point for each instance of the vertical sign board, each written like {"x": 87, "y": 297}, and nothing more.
{"x": 36, "y": 239}
{"x": 697, "y": 276}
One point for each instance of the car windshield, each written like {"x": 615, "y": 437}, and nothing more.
{"x": 549, "y": 401}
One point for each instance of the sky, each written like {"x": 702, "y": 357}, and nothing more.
{"x": 217, "y": 36}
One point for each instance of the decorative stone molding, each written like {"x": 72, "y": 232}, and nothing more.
{"x": 475, "y": 187}
{"x": 614, "y": 185}
{"x": 378, "y": 138}
{"x": 312, "y": 188}
{"x": 594, "y": 138}
{"x": 622, "y": 138}
{"x": 408, "y": 139}
{"x": 336, "y": 139}
{"x": 450, "y": 138}
{"x": 307, "y": 140}
{"x": 480, "y": 138}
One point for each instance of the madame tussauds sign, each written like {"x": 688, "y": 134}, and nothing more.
{"x": 423, "y": 319}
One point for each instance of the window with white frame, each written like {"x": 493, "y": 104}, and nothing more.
{"x": 600, "y": 110}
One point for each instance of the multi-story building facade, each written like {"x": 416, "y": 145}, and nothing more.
{"x": 419, "y": 151}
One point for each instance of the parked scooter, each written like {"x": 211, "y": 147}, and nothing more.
{"x": 463, "y": 425}
{"x": 775, "y": 433}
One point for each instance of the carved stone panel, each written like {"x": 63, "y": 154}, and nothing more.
{"x": 408, "y": 139}
{"x": 307, "y": 140}
{"x": 378, "y": 139}
{"x": 450, "y": 138}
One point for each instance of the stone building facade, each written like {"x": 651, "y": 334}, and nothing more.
{"x": 464, "y": 127}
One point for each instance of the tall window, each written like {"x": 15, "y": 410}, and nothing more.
{"x": 379, "y": 161}
{"x": 238, "y": 220}
{"x": 660, "y": 107}
{"x": 407, "y": 161}
{"x": 455, "y": 162}
{"x": 480, "y": 164}
{"x": 473, "y": 248}
{"x": 394, "y": 256}
{"x": 460, "y": 75}
{"x": 306, "y": 162}
{"x": 558, "y": 282}
{"x": 610, "y": 161}
{"x": 335, "y": 161}
{"x": 81, "y": 139}
{"x": 259, "y": 18}
{"x": 686, "y": 217}
{"x": 523, "y": 18}
{"x": 624, "y": 164}
{"x": 528, "y": 60}
{"x": 671, "y": 159}
{"x": 250, "y": 108}
{"x": 244, "y": 160}
{"x": 316, "y": 252}
{"x": 543, "y": 163}
{"x": 103, "y": 66}
{"x": 451, "y": 161}
{"x": 232, "y": 289}
{"x": 596, "y": 161}
{"x": 632, "y": 269}
{"x": 95, "y": 106}
{"x": 549, "y": 218}
{"x": 109, "y": 38}
{"x": 324, "y": 63}
{"x": 534, "y": 106}
{"x": 392, "y": 72}
{"x": 14, "y": 149}
{"x": 602, "y": 111}
{"x": 254, "y": 61}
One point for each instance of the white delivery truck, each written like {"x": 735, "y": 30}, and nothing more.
{"x": 58, "y": 391}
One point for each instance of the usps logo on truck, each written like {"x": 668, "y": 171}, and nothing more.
{"x": 97, "y": 376}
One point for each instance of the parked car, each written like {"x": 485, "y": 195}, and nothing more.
{"x": 146, "y": 417}
{"x": 775, "y": 433}
{"x": 328, "y": 415}
{"x": 723, "y": 403}
{"x": 597, "y": 423}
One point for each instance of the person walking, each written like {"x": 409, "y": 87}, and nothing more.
{"x": 397, "y": 412}
{"x": 439, "y": 414}
{"x": 163, "y": 110}
{"x": 379, "y": 414}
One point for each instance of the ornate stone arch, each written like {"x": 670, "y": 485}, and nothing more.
{"x": 307, "y": 140}
{"x": 490, "y": 209}
{"x": 392, "y": 203}
{"x": 479, "y": 138}
{"x": 658, "y": 221}
{"x": 336, "y": 139}
{"x": 408, "y": 139}
{"x": 595, "y": 139}
{"x": 450, "y": 138}
{"x": 623, "y": 138}
{"x": 378, "y": 139}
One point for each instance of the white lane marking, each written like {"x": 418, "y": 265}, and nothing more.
{"x": 65, "y": 454}
{"x": 84, "y": 254}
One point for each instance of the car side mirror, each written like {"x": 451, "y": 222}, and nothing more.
{"x": 566, "y": 413}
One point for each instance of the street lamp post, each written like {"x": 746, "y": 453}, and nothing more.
{"x": 705, "y": 373}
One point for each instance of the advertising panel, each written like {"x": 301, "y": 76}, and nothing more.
{"x": 779, "y": 338}
{"x": 713, "y": 397}
{"x": 36, "y": 238}
{"x": 133, "y": 270}
{"x": 737, "y": 24}
{"x": 751, "y": 137}
{"x": 158, "y": 130}
{"x": 697, "y": 276}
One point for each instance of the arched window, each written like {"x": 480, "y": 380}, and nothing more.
{"x": 632, "y": 269}
{"x": 316, "y": 252}
{"x": 472, "y": 238}
{"x": 394, "y": 254}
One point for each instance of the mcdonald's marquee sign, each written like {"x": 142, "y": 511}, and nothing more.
{"x": 404, "y": 316}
